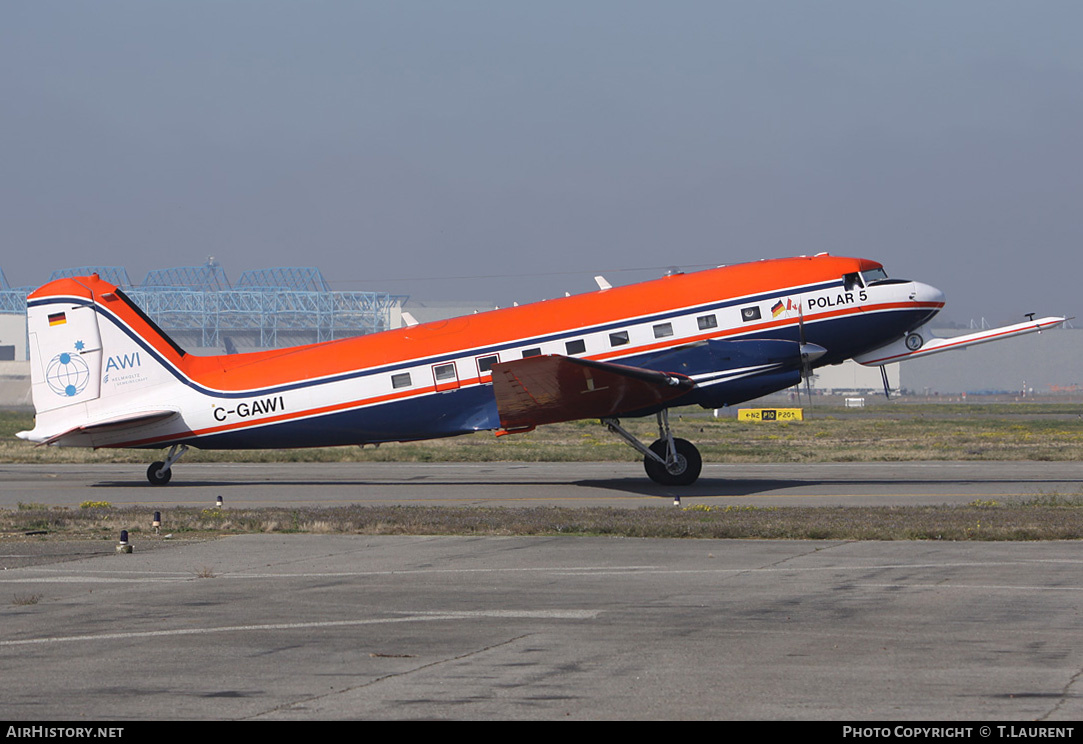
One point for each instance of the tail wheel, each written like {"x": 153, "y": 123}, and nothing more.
{"x": 683, "y": 471}
{"x": 157, "y": 476}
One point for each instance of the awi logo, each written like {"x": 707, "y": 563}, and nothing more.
{"x": 117, "y": 363}
{"x": 123, "y": 362}
{"x": 67, "y": 375}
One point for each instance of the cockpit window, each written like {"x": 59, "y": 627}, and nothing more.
{"x": 852, "y": 281}
{"x": 873, "y": 275}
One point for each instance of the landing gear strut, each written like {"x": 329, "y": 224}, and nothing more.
{"x": 159, "y": 473}
{"x": 668, "y": 461}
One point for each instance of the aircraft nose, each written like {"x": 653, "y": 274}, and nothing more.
{"x": 926, "y": 293}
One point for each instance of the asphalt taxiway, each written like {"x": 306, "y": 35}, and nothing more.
{"x": 530, "y": 484}
{"x": 380, "y": 627}
{"x": 336, "y": 626}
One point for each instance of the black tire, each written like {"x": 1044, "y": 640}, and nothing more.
{"x": 685, "y": 471}
{"x": 156, "y": 476}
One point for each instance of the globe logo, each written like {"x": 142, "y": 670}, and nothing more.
{"x": 67, "y": 375}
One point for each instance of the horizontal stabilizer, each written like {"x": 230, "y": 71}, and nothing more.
{"x": 116, "y": 423}
{"x": 922, "y": 342}
{"x": 547, "y": 389}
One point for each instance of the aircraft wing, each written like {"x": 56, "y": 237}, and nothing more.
{"x": 547, "y": 389}
{"x": 922, "y": 342}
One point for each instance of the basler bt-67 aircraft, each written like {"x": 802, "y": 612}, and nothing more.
{"x": 104, "y": 375}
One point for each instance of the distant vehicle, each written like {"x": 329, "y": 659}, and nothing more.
{"x": 104, "y": 375}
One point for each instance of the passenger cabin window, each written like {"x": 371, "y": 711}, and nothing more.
{"x": 401, "y": 380}
{"x": 663, "y": 330}
{"x": 486, "y": 363}
{"x": 576, "y": 347}
{"x": 707, "y": 321}
{"x": 620, "y": 338}
{"x": 531, "y": 352}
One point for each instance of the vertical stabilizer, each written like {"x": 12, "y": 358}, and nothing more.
{"x": 65, "y": 351}
{"x": 97, "y": 364}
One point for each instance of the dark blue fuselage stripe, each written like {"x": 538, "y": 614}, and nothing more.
{"x": 467, "y": 409}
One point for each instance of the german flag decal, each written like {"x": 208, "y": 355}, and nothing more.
{"x": 57, "y": 319}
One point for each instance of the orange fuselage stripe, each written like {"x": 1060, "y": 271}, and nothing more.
{"x": 266, "y": 369}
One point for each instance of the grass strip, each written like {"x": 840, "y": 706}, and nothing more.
{"x": 1045, "y": 518}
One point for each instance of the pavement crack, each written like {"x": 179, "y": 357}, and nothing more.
{"x": 795, "y": 556}
{"x": 1064, "y": 693}
{"x": 394, "y": 675}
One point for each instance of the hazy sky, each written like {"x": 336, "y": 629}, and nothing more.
{"x": 408, "y": 146}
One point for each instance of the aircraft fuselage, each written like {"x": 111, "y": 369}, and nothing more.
{"x": 732, "y": 330}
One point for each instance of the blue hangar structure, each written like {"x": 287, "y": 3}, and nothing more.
{"x": 265, "y": 308}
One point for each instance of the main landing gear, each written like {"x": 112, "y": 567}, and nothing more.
{"x": 159, "y": 473}
{"x": 668, "y": 461}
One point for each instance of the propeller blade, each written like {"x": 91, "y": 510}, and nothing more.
{"x": 809, "y": 352}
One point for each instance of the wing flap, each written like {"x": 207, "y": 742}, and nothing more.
{"x": 548, "y": 389}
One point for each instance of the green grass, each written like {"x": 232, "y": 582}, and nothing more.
{"x": 1012, "y": 521}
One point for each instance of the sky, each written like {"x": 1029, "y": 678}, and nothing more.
{"x": 509, "y": 151}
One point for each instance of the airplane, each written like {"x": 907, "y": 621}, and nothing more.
{"x": 103, "y": 374}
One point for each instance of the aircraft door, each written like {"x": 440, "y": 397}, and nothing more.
{"x": 445, "y": 376}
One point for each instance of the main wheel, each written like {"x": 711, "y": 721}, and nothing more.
{"x": 157, "y": 476}
{"x": 683, "y": 472}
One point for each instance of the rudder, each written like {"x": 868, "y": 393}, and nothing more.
{"x": 65, "y": 352}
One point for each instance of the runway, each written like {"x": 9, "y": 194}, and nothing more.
{"x": 619, "y": 484}
{"x": 380, "y": 627}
